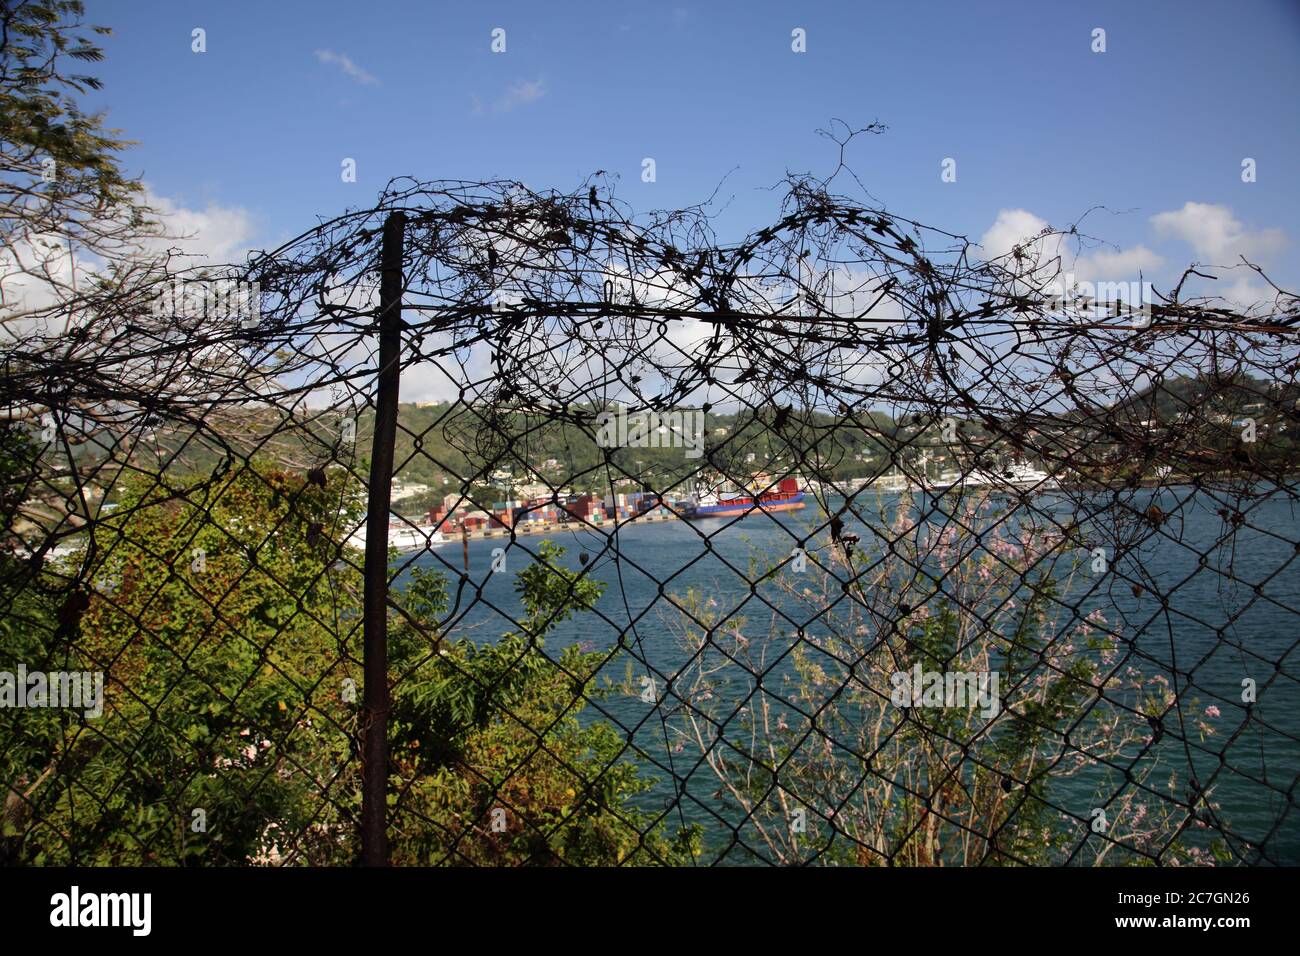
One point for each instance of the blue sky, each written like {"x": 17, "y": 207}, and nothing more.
{"x": 250, "y": 134}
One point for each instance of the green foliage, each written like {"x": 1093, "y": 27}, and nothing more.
{"x": 494, "y": 764}
{"x": 40, "y": 117}
{"x": 228, "y": 628}
{"x": 18, "y": 470}
{"x": 214, "y": 618}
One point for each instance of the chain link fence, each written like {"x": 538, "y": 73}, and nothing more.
{"x": 496, "y": 527}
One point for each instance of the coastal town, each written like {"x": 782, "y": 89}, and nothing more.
{"x": 541, "y": 511}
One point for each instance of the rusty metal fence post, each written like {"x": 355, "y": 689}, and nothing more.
{"x": 374, "y": 755}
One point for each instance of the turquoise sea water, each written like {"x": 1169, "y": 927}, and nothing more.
{"x": 1219, "y": 628}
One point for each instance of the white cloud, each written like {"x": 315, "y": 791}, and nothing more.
{"x": 1246, "y": 295}
{"x": 520, "y": 94}
{"x": 215, "y": 234}
{"x": 35, "y": 273}
{"x": 1019, "y": 227}
{"x": 39, "y": 271}
{"x": 1013, "y": 227}
{"x": 1117, "y": 265}
{"x": 344, "y": 62}
{"x": 1215, "y": 234}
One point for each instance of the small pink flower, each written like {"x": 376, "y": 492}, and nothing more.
{"x": 1211, "y": 711}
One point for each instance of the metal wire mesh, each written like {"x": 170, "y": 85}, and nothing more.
{"x": 834, "y": 545}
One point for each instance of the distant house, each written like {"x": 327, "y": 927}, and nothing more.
{"x": 407, "y": 489}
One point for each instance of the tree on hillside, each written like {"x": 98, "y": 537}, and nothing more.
{"x": 83, "y": 260}
{"x": 66, "y": 202}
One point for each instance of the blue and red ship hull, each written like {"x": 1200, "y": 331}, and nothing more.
{"x": 743, "y": 505}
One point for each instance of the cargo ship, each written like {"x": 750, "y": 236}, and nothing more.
{"x": 786, "y": 497}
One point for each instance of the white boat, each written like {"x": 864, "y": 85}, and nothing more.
{"x": 404, "y": 537}
{"x": 414, "y": 538}
{"x": 894, "y": 481}
{"x": 1015, "y": 475}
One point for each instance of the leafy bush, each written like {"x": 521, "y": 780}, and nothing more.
{"x": 227, "y": 623}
